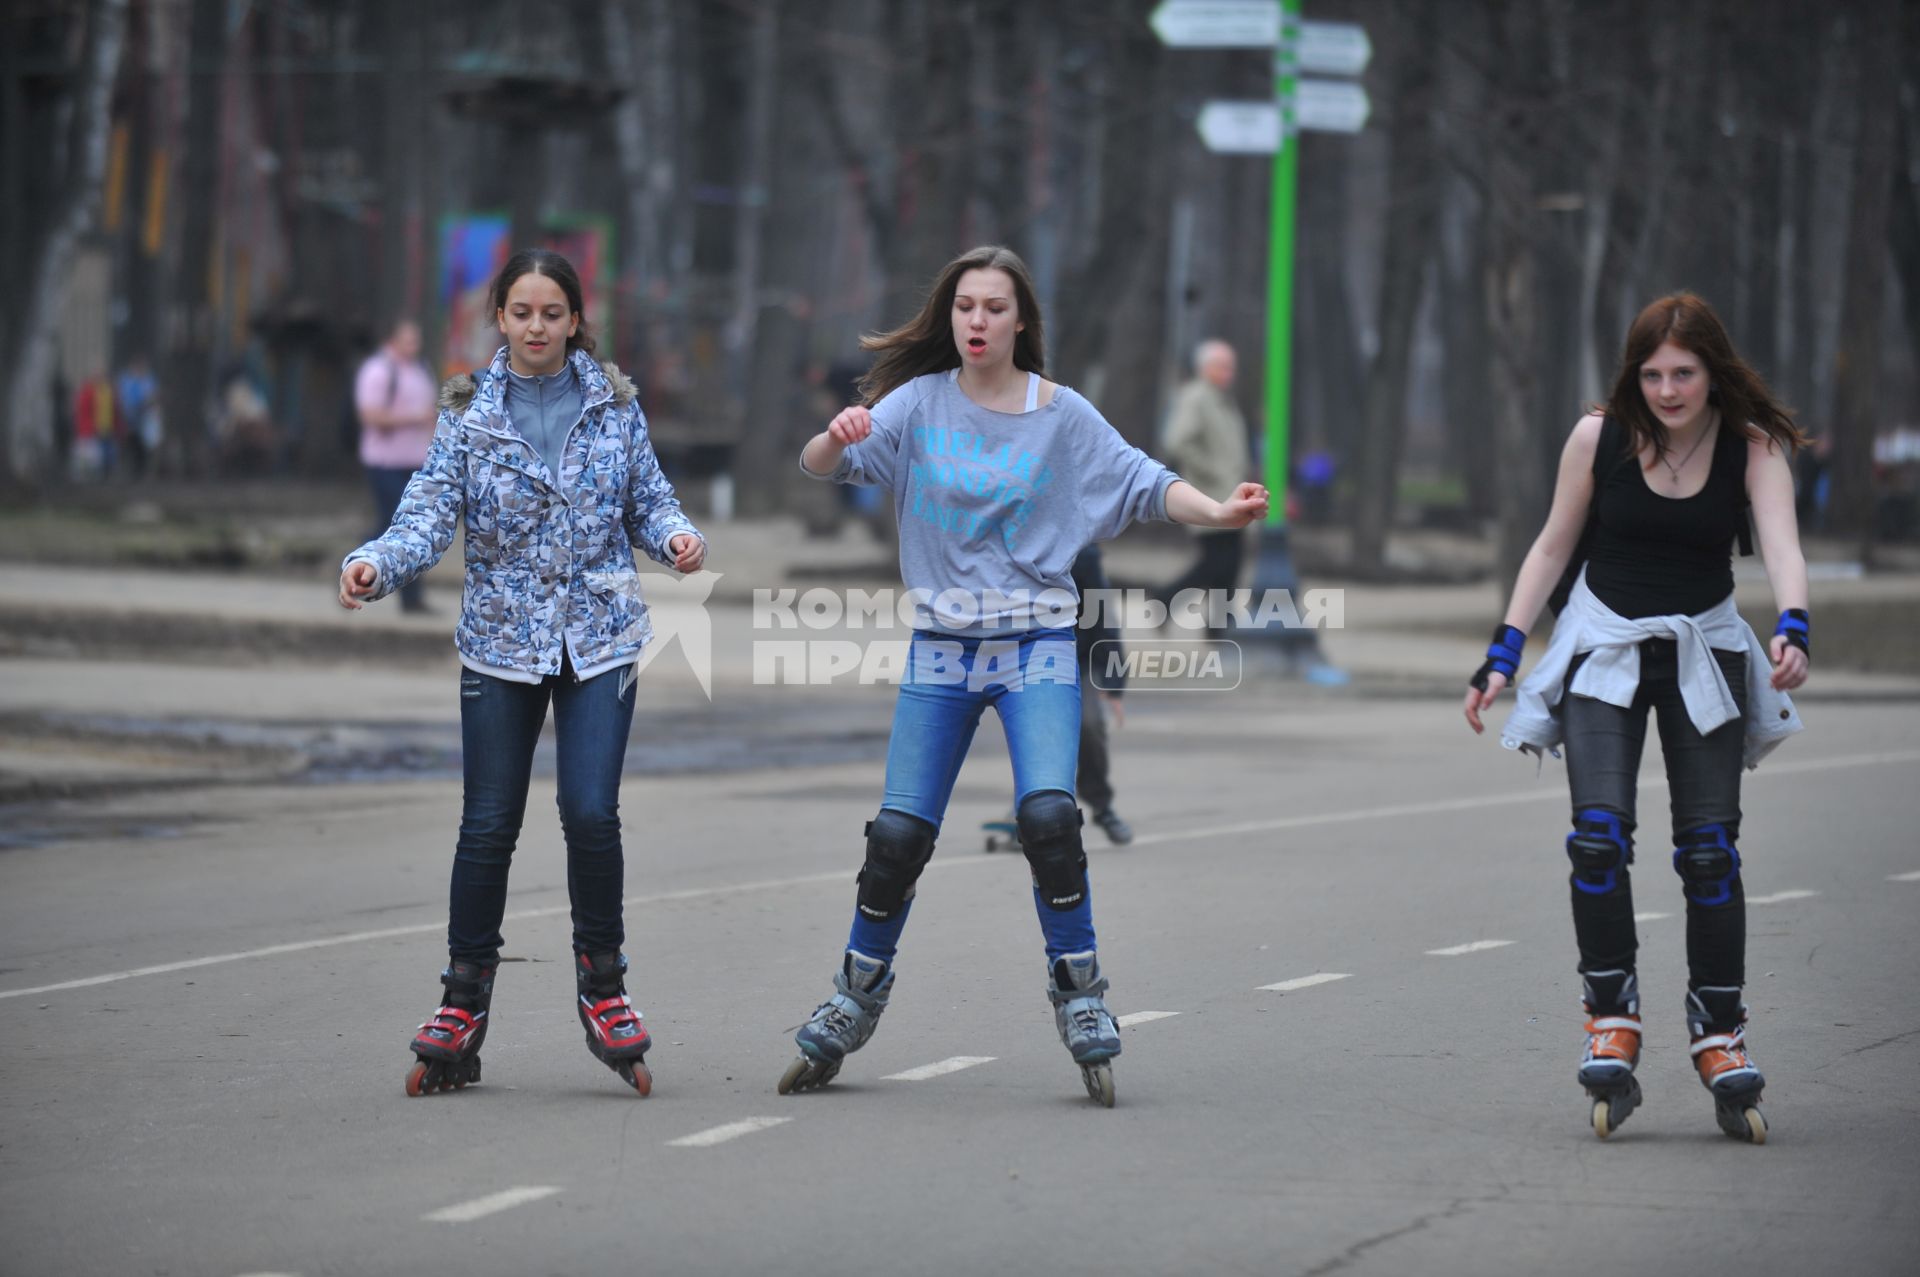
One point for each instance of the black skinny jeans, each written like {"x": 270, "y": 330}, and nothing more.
{"x": 1603, "y": 744}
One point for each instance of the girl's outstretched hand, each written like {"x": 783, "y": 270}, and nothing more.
{"x": 1478, "y": 700}
{"x": 689, "y": 552}
{"x": 851, "y": 426}
{"x": 356, "y": 582}
{"x": 1246, "y": 503}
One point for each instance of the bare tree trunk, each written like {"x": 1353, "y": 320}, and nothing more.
{"x": 1512, "y": 297}
{"x": 1857, "y": 410}
{"x": 1903, "y": 232}
{"x": 29, "y": 424}
{"x": 1410, "y": 244}
{"x": 777, "y": 418}
{"x": 187, "y": 382}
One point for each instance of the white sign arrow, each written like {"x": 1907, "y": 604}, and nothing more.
{"x": 1333, "y": 48}
{"x": 1241, "y": 128}
{"x": 1330, "y": 106}
{"x": 1217, "y": 24}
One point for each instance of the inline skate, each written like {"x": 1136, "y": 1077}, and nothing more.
{"x": 842, "y": 1024}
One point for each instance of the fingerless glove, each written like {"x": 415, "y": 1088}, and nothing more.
{"x": 1503, "y": 656}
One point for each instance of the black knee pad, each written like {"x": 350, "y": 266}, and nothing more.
{"x": 1601, "y": 848}
{"x": 1708, "y": 863}
{"x": 1049, "y": 824}
{"x": 898, "y": 848}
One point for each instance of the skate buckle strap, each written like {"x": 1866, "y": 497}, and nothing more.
{"x": 614, "y": 1011}
{"x": 453, "y": 1018}
{"x": 1730, "y": 1042}
{"x": 1614, "y": 1022}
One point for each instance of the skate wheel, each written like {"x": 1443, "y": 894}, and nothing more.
{"x": 1756, "y": 1126}
{"x": 415, "y": 1076}
{"x": 1099, "y": 1080}
{"x": 1602, "y": 1119}
{"x": 791, "y": 1078}
{"x": 638, "y": 1076}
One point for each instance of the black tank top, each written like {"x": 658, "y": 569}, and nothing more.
{"x": 1658, "y": 556}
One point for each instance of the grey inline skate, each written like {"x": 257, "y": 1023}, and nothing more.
{"x": 1086, "y": 1027}
{"x": 842, "y": 1024}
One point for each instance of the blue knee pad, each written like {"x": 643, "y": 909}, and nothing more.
{"x": 1708, "y": 863}
{"x": 1601, "y": 848}
{"x": 1049, "y": 822}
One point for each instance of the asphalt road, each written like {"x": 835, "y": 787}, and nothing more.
{"x": 203, "y": 1028}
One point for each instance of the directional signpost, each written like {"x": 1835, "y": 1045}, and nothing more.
{"x": 1217, "y": 24}
{"x": 1332, "y": 48}
{"x": 1272, "y": 128}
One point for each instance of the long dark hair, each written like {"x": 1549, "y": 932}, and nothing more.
{"x": 543, "y": 261}
{"x": 924, "y": 343}
{"x": 1738, "y": 391}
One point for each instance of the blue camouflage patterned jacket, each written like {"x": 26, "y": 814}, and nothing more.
{"x": 549, "y": 560}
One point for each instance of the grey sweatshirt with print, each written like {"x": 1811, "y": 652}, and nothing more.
{"x": 994, "y": 506}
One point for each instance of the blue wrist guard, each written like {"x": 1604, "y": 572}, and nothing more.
{"x": 1797, "y": 628}
{"x": 1503, "y": 656}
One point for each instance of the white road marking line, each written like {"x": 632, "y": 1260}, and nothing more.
{"x": 1912, "y": 877}
{"x": 1780, "y": 897}
{"x": 1472, "y": 946}
{"x": 1650, "y": 917}
{"x": 731, "y": 1131}
{"x": 1441, "y": 807}
{"x": 1305, "y": 982}
{"x": 952, "y": 1064}
{"x": 479, "y": 1208}
{"x": 1144, "y": 1017}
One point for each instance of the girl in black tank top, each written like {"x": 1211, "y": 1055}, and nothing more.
{"x": 1653, "y": 555}
{"x": 1650, "y": 556}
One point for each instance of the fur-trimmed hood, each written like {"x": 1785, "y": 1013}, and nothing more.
{"x": 459, "y": 391}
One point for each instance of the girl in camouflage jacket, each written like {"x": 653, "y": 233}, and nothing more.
{"x": 544, "y": 455}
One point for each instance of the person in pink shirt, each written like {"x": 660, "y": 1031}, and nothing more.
{"x": 396, "y": 400}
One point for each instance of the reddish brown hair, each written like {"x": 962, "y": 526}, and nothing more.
{"x": 1741, "y": 394}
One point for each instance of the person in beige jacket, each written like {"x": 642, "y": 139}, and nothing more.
{"x": 1206, "y": 444}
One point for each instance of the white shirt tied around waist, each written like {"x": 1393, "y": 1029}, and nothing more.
{"x": 1612, "y": 673}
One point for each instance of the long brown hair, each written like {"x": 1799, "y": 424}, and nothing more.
{"x": 924, "y": 343}
{"x": 1736, "y": 389}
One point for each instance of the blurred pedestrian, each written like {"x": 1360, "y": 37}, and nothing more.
{"x": 1206, "y": 441}
{"x": 1102, "y": 686}
{"x": 94, "y": 427}
{"x": 999, "y": 478}
{"x": 1661, "y": 479}
{"x": 543, "y": 459}
{"x": 393, "y": 396}
{"x": 245, "y": 430}
{"x": 138, "y": 397}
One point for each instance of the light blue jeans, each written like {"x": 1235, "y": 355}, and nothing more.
{"x": 1032, "y": 681}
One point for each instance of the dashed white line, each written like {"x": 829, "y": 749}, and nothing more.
{"x": 939, "y": 1068}
{"x": 731, "y": 1131}
{"x": 1305, "y": 982}
{"x": 479, "y": 1208}
{"x": 1144, "y": 1017}
{"x": 1781, "y": 897}
{"x": 1912, "y": 877}
{"x": 1650, "y": 917}
{"x": 1214, "y": 836}
{"x": 1472, "y": 946}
